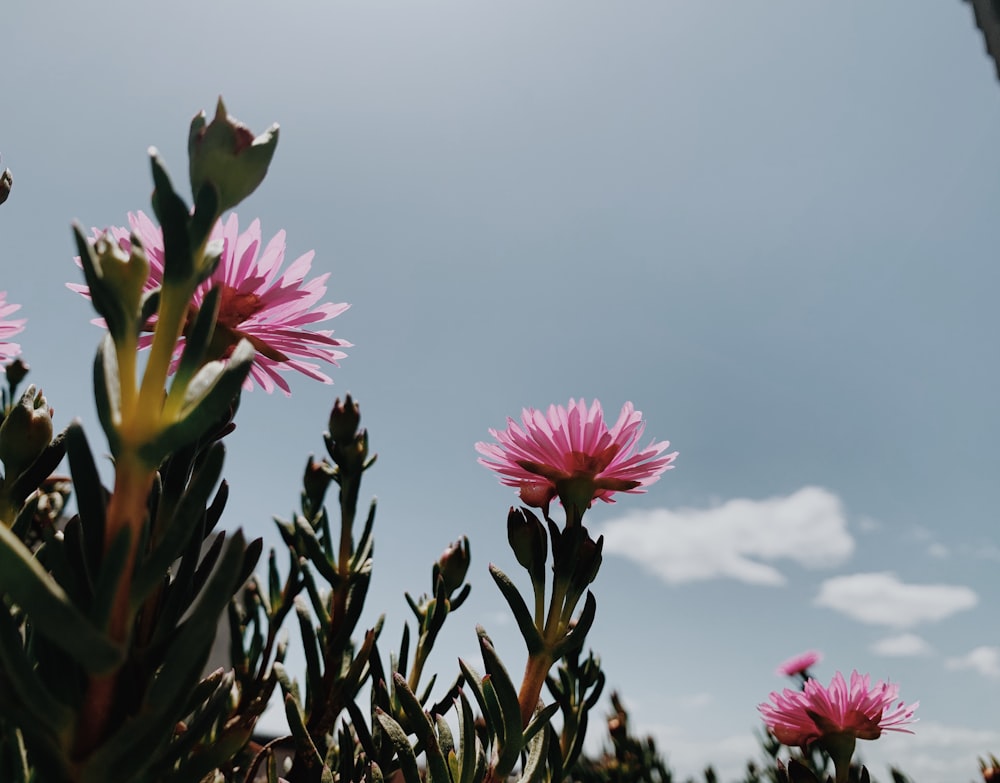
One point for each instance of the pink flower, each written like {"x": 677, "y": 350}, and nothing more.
{"x": 269, "y": 310}
{"x": 861, "y": 711}
{"x": 8, "y": 328}
{"x": 571, "y": 451}
{"x": 800, "y": 663}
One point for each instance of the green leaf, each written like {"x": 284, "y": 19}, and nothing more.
{"x": 423, "y": 727}
{"x": 137, "y": 743}
{"x": 509, "y": 706}
{"x": 574, "y": 640}
{"x": 196, "y": 343}
{"x": 310, "y": 647}
{"x": 525, "y": 622}
{"x": 399, "y": 740}
{"x": 89, "y": 493}
{"x": 468, "y": 741}
{"x": 51, "y": 611}
{"x": 29, "y": 688}
{"x": 174, "y": 217}
{"x": 109, "y": 577}
{"x": 534, "y": 767}
{"x": 539, "y": 721}
{"x": 207, "y": 399}
{"x": 475, "y": 682}
{"x": 107, "y": 392}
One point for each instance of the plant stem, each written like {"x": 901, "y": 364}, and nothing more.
{"x": 535, "y": 672}
{"x": 126, "y": 510}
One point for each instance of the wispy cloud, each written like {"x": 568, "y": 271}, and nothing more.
{"x": 934, "y": 752}
{"x": 985, "y": 660}
{"x": 739, "y": 539}
{"x": 882, "y": 599}
{"x": 904, "y": 645}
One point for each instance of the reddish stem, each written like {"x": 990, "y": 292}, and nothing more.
{"x": 126, "y": 509}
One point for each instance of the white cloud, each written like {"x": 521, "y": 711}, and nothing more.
{"x": 934, "y": 753}
{"x": 985, "y": 660}
{"x": 939, "y": 551}
{"x": 688, "y": 755}
{"x": 882, "y": 599}
{"x": 903, "y": 645}
{"x": 736, "y": 540}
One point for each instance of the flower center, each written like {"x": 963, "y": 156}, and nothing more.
{"x": 235, "y": 307}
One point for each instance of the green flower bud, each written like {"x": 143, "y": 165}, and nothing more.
{"x": 344, "y": 420}
{"x": 16, "y": 371}
{"x": 25, "y": 432}
{"x": 526, "y": 536}
{"x": 453, "y": 565}
{"x": 587, "y": 561}
{"x": 6, "y": 183}
{"x": 315, "y": 482}
{"x": 225, "y": 155}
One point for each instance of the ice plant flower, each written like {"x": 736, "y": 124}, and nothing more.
{"x": 837, "y": 716}
{"x": 799, "y": 665}
{"x": 570, "y": 452}
{"x": 269, "y": 309}
{"x": 8, "y": 328}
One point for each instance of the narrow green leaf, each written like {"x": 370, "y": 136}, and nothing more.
{"x": 467, "y": 739}
{"x": 509, "y": 706}
{"x": 109, "y": 577}
{"x": 525, "y": 622}
{"x": 196, "y": 342}
{"x": 534, "y": 767}
{"x": 475, "y": 682}
{"x": 51, "y": 611}
{"x": 174, "y": 217}
{"x": 574, "y": 640}
{"x": 29, "y": 688}
{"x": 208, "y": 397}
{"x": 310, "y": 647}
{"x": 423, "y": 727}
{"x": 107, "y": 392}
{"x": 539, "y": 721}
{"x": 399, "y": 740}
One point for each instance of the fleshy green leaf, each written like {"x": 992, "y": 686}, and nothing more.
{"x": 52, "y": 613}
{"x": 525, "y": 622}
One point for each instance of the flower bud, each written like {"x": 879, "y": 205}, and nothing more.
{"x": 344, "y": 420}
{"x": 315, "y": 482}
{"x": 225, "y": 155}
{"x": 25, "y": 432}
{"x": 6, "y": 183}
{"x": 453, "y": 565}
{"x": 588, "y": 561}
{"x": 526, "y": 537}
{"x": 16, "y": 371}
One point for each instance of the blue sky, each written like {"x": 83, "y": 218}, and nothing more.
{"x": 770, "y": 225}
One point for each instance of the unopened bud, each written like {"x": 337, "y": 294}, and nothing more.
{"x": 315, "y": 482}
{"x": 526, "y": 536}
{"x": 344, "y": 419}
{"x": 225, "y": 155}
{"x": 6, "y": 183}
{"x": 16, "y": 371}
{"x": 25, "y": 432}
{"x": 453, "y": 565}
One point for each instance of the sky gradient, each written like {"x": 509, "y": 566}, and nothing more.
{"x": 769, "y": 225}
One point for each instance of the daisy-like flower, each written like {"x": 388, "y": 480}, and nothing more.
{"x": 8, "y": 328}
{"x": 800, "y": 664}
{"x": 270, "y": 310}
{"x": 861, "y": 710}
{"x": 570, "y": 452}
